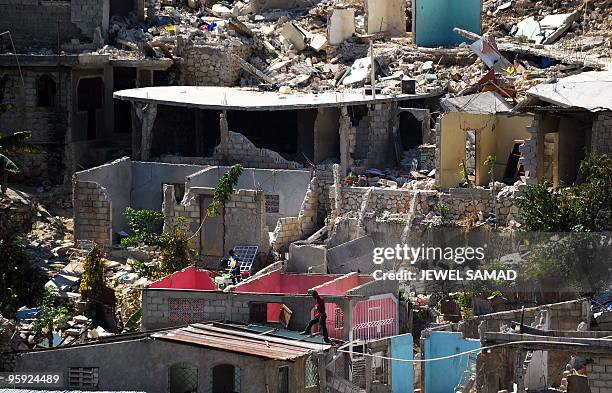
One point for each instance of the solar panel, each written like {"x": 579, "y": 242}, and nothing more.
{"x": 246, "y": 256}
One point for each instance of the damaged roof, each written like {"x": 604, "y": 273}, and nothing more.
{"x": 589, "y": 90}
{"x": 229, "y": 338}
{"x": 481, "y": 103}
{"x": 213, "y": 97}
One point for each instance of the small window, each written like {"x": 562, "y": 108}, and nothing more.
{"x": 283, "y": 379}
{"x": 338, "y": 319}
{"x": 183, "y": 378}
{"x": 83, "y": 378}
{"x": 311, "y": 377}
{"x": 272, "y": 203}
{"x": 45, "y": 91}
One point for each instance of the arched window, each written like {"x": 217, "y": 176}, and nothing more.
{"x": 45, "y": 91}
{"x": 183, "y": 378}
{"x": 225, "y": 378}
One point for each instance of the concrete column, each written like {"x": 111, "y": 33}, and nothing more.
{"x": 147, "y": 114}
{"x": 224, "y": 134}
{"x": 345, "y": 141}
{"x": 347, "y": 310}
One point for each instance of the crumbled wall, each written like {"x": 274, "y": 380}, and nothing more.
{"x": 238, "y": 149}
{"x": 325, "y": 179}
{"x": 600, "y": 373}
{"x": 213, "y": 64}
{"x": 92, "y": 213}
{"x": 383, "y": 125}
{"x": 424, "y": 154}
{"x": 563, "y": 316}
{"x": 601, "y": 138}
{"x": 244, "y": 213}
{"x": 35, "y": 22}
{"x": 461, "y": 202}
{"x": 49, "y": 125}
{"x": 290, "y": 229}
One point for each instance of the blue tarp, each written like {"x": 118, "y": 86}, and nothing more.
{"x": 435, "y": 20}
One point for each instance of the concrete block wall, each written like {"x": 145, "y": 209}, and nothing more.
{"x": 163, "y": 308}
{"x": 601, "y": 137}
{"x": 244, "y": 216}
{"x": 87, "y": 15}
{"x": 325, "y": 179}
{"x": 49, "y": 125}
{"x": 600, "y": 373}
{"x": 380, "y": 199}
{"x": 239, "y": 149}
{"x": 35, "y": 22}
{"x": 563, "y": 316}
{"x": 213, "y": 64}
{"x": 383, "y": 123}
{"x": 92, "y": 207}
{"x": 425, "y": 155}
{"x": 290, "y": 229}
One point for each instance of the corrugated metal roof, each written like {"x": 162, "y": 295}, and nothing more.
{"x": 227, "y": 338}
{"x": 589, "y": 90}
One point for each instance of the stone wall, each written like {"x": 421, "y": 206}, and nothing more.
{"x": 290, "y": 229}
{"x": 36, "y": 22}
{"x": 48, "y": 124}
{"x": 92, "y": 213}
{"x": 16, "y": 213}
{"x": 462, "y": 202}
{"x": 601, "y": 138}
{"x": 325, "y": 179}
{"x": 213, "y": 64}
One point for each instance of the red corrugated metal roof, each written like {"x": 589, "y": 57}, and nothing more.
{"x": 225, "y": 338}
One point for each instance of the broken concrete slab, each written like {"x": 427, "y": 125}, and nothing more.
{"x": 301, "y": 39}
{"x": 341, "y": 25}
{"x": 352, "y": 256}
{"x": 386, "y": 16}
{"x": 547, "y": 30}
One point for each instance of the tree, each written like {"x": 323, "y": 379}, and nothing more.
{"x": 52, "y": 315}
{"x": 225, "y": 188}
{"x": 146, "y": 226}
{"x": 566, "y": 228}
{"x": 21, "y": 284}
{"x": 583, "y": 207}
{"x": 92, "y": 280}
{"x": 176, "y": 251}
{"x": 12, "y": 143}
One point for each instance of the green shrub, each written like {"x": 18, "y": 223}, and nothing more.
{"x": 146, "y": 226}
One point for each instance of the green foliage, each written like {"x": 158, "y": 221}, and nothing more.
{"x": 146, "y": 226}
{"x": 584, "y": 207}
{"x": 92, "y": 281}
{"x": 52, "y": 315}
{"x": 442, "y": 210}
{"x": 20, "y": 282}
{"x": 225, "y": 188}
{"x": 12, "y": 143}
{"x": 489, "y": 163}
{"x": 142, "y": 269}
{"x": 463, "y": 175}
{"x": 575, "y": 254}
{"x": 176, "y": 251}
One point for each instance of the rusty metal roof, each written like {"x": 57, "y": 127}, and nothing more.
{"x": 227, "y": 338}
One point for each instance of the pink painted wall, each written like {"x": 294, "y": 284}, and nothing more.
{"x": 275, "y": 282}
{"x": 341, "y": 285}
{"x": 188, "y": 278}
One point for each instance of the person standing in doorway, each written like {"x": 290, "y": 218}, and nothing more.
{"x": 320, "y": 317}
